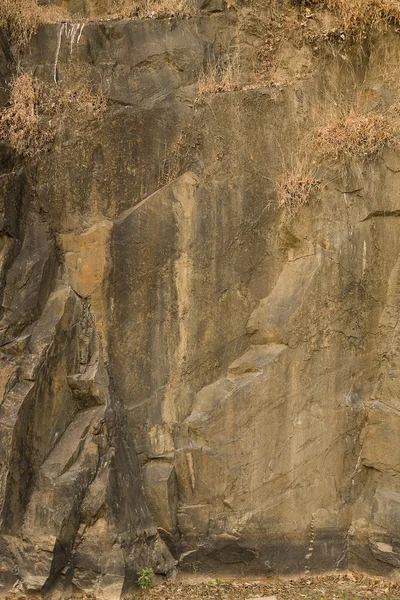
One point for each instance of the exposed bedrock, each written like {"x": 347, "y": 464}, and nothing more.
{"x": 189, "y": 378}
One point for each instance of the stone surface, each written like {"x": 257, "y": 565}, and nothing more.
{"x": 187, "y": 376}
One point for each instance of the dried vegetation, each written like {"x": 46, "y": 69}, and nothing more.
{"x": 296, "y": 186}
{"x": 355, "y": 135}
{"x": 151, "y": 8}
{"x": 220, "y": 75}
{"x": 22, "y": 17}
{"x": 343, "y": 586}
{"x": 356, "y": 16}
{"x": 36, "y": 110}
{"x": 176, "y": 161}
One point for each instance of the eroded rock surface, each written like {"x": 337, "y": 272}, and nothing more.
{"x": 188, "y": 377}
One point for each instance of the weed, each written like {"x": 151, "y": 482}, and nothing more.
{"x": 145, "y": 577}
{"x": 214, "y": 582}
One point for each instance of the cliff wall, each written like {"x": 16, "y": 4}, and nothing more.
{"x": 192, "y": 375}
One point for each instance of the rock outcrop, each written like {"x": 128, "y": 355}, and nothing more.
{"x": 190, "y": 378}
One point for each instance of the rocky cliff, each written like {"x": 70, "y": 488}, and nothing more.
{"x": 192, "y": 375}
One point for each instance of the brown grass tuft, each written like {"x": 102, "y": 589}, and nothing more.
{"x": 35, "y": 112}
{"x": 296, "y": 187}
{"x": 166, "y": 8}
{"x": 148, "y": 8}
{"x": 73, "y": 102}
{"x": 220, "y": 75}
{"x": 355, "y": 136}
{"x": 20, "y": 123}
{"x": 22, "y": 17}
{"x": 357, "y": 15}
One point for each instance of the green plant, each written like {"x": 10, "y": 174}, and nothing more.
{"x": 214, "y": 582}
{"x": 145, "y": 577}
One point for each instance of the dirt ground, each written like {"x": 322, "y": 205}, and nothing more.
{"x": 346, "y": 586}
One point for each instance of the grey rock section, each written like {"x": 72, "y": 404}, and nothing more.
{"x": 69, "y": 470}
{"x": 73, "y": 517}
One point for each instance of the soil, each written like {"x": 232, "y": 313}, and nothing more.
{"x": 346, "y": 586}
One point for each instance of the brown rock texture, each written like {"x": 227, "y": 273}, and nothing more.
{"x": 190, "y": 378}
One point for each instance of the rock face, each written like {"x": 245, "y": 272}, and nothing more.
{"x": 188, "y": 377}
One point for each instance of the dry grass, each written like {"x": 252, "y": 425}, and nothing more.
{"x": 176, "y": 161}
{"x": 357, "y": 15}
{"x": 220, "y": 75}
{"x": 22, "y": 17}
{"x": 35, "y": 112}
{"x": 296, "y": 187}
{"x": 124, "y": 9}
{"x": 73, "y": 102}
{"x": 355, "y": 135}
{"x": 20, "y": 123}
{"x": 158, "y": 8}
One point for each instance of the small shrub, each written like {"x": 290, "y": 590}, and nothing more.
{"x": 20, "y": 123}
{"x": 296, "y": 189}
{"x": 145, "y": 577}
{"x": 214, "y": 582}
{"x": 220, "y": 75}
{"x": 157, "y": 8}
{"x": 150, "y": 8}
{"x": 35, "y": 110}
{"x": 357, "y": 15}
{"x": 22, "y": 17}
{"x": 354, "y": 136}
{"x": 72, "y": 101}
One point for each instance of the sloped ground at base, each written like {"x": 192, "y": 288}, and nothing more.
{"x": 343, "y": 586}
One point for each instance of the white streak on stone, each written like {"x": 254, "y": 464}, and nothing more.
{"x": 73, "y": 32}
{"x": 60, "y": 32}
{"x": 80, "y": 33}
